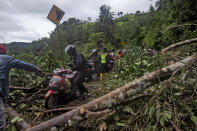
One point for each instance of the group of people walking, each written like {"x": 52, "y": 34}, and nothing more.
{"x": 103, "y": 59}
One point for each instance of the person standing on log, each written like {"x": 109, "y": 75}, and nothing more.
{"x": 6, "y": 63}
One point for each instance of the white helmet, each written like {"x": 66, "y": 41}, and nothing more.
{"x": 70, "y": 49}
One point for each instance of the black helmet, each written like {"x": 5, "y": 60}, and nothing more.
{"x": 105, "y": 50}
{"x": 70, "y": 49}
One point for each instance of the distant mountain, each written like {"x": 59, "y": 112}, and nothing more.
{"x": 16, "y": 47}
{"x": 25, "y": 44}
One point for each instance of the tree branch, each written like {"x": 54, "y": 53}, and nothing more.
{"x": 178, "y": 44}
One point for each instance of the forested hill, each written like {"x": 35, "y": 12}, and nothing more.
{"x": 167, "y": 22}
{"x": 15, "y": 47}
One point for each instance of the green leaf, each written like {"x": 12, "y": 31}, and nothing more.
{"x": 17, "y": 91}
{"x": 36, "y": 113}
{"x": 152, "y": 111}
{"x": 34, "y": 107}
{"x": 116, "y": 117}
{"x": 168, "y": 115}
{"x": 194, "y": 119}
{"x": 115, "y": 75}
{"x": 23, "y": 106}
{"x": 149, "y": 127}
{"x": 22, "y": 93}
{"x": 128, "y": 109}
{"x": 158, "y": 114}
{"x": 145, "y": 111}
{"x": 16, "y": 119}
{"x": 161, "y": 121}
{"x": 178, "y": 94}
{"x": 14, "y": 128}
{"x": 13, "y": 104}
{"x": 120, "y": 124}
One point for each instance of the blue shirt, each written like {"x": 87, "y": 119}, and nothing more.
{"x": 6, "y": 63}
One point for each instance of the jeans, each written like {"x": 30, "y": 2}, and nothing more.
{"x": 2, "y": 116}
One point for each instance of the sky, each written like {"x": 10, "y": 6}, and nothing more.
{"x": 26, "y": 20}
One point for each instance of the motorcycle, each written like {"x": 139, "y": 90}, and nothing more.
{"x": 60, "y": 88}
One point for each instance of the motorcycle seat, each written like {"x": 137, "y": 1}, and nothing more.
{"x": 71, "y": 75}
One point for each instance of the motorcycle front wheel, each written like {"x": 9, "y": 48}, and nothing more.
{"x": 51, "y": 102}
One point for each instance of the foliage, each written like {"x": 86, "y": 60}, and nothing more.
{"x": 25, "y": 79}
{"x": 137, "y": 62}
{"x": 93, "y": 37}
{"x": 172, "y": 101}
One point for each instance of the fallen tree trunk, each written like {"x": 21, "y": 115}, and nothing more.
{"x": 23, "y": 125}
{"x": 117, "y": 96}
{"x": 178, "y": 44}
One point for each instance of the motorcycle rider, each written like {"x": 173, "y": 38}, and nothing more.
{"x": 6, "y": 63}
{"x": 80, "y": 65}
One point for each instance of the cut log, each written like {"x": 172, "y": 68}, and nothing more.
{"x": 117, "y": 96}
{"x": 178, "y": 44}
{"x": 90, "y": 114}
{"x": 23, "y": 125}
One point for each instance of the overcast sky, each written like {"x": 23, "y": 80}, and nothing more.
{"x": 25, "y": 20}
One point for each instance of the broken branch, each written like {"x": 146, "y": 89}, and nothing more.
{"x": 55, "y": 110}
{"x": 178, "y": 44}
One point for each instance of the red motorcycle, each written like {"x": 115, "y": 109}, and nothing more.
{"x": 60, "y": 88}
